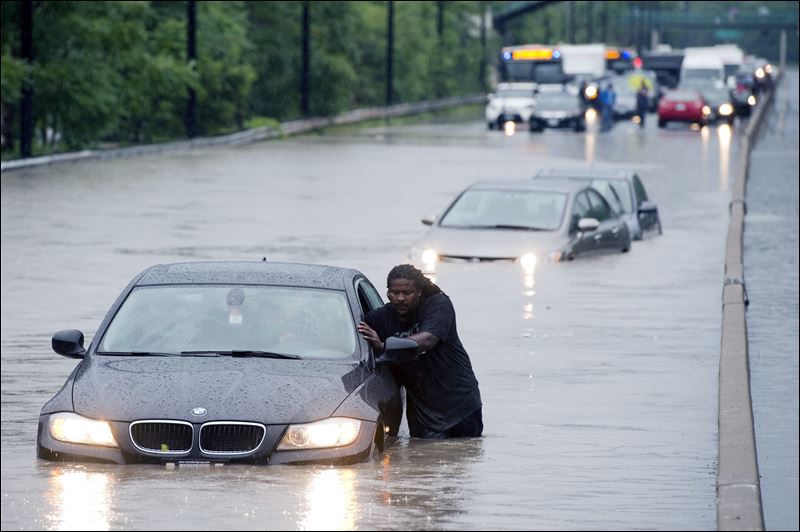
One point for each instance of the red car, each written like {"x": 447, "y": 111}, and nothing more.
{"x": 683, "y": 106}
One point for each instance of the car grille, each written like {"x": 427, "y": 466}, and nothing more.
{"x": 168, "y": 437}
{"x": 231, "y": 438}
{"x": 465, "y": 258}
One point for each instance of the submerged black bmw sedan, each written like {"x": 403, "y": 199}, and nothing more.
{"x": 207, "y": 362}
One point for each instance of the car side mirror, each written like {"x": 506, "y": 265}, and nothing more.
{"x": 647, "y": 207}
{"x": 398, "y": 351}
{"x": 428, "y": 220}
{"x": 69, "y": 343}
{"x": 587, "y": 225}
{"x": 490, "y": 96}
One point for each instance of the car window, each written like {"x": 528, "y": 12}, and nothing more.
{"x": 638, "y": 187}
{"x": 488, "y": 208}
{"x": 582, "y": 209}
{"x": 369, "y": 298}
{"x": 600, "y": 209}
{"x": 617, "y": 192}
{"x": 310, "y": 323}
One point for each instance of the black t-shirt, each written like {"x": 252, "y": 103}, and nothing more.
{"x": 441, "y": 387}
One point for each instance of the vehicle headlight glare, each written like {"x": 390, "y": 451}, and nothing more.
{"x": 73, "y": 428}
{"x": 332, "y": 432}
{"x": 706, "y": 110}
{"x": 760, "y": 73}
{"x": 725, "y": 109}
{"x": 751, "y": 100}
{"x": 591, "y": 92}
{"x": 528, "y": 262}
{"x": 429, "y": 257}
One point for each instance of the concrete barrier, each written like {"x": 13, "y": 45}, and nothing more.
{"x": 738, "y": 486}
{"x": 293, "y": 127}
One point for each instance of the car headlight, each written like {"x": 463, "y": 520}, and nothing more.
{"x": 73, "y": 428}
{"x": 528, "y": 262}
{"x": 706, "y": 110}
{"x": 760, "y": 73}
{"x": 331, "y": 432}
{"x": 591, "y": 92}
{"x": 751, "y": 100}
{"x": 429, "y": 257}
{"x": 725, "y": 109}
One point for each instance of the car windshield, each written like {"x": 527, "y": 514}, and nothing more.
{"x": 681, "y": 96}
{"x": 617, "y": 192}
{"x": 304, "y": 322}
{"x": 557, "y": 102}
{"x": 514, "y": 93}
{"x": 511, "y": 209}
{"x": 701, "y": 74}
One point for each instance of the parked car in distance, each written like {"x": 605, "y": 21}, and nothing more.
{"x": 558, "y": 108}
{"x": 683, "y": 106}
{"x": 623, "y": 189}
{"x": 231, "y": 362}
{"x": 511, "y": 102}
{"x": 523, "y": 221}
{"x": 718, "y": 98}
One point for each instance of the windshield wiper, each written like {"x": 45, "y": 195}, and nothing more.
{"x": 137, "y": 353}
{"x": 519, "y": 227}
{"x": 242, "y": 353}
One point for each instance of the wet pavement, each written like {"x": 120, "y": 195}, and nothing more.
{"x": 599, "y": 377}
{"x": 771, "y": 263}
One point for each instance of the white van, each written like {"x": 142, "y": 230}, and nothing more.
{"x": 702, "y": 64}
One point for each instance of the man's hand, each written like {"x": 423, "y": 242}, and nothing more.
{"x": 371, "y": 337}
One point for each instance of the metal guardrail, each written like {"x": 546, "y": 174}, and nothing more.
{"x": 739, "y": 505}
{"x": 293, "y": 127}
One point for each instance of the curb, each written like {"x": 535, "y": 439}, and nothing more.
{"x": 738, "y": 483}
{"x": 249, "y": 136}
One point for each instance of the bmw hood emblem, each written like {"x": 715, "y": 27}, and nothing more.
{"x": 199, "y": 411}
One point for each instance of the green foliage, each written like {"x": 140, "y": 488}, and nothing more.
{"x": 117, "y": 71}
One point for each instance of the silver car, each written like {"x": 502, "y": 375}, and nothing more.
{"x": 524, "y": 221}
{"x": 623, "y": 189}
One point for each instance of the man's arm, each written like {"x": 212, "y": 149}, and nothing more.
{"x": 425, "y": 340}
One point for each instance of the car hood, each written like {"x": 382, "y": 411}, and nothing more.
{"x": 268, "y": 391}
{"x": 490, "y": 243}
{"x": 513, "y": 103}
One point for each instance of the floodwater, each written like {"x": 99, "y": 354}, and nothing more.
{"x": 598, "y": 377}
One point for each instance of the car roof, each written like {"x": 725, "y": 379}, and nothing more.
{"x": 584, "y": 173}
{"x": 529, "y": 184}
{"x": 243, "y": 272}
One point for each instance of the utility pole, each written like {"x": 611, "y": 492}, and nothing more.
{"x": 191, "y": 57}
{"x": 304, "y": 79}
{"x": 389, "y": 51}
{"x": 26, "y": 96}
{"x": 589, "y": 22}
{"x": 482, "y": 67}
{"x": 572, "y": 22}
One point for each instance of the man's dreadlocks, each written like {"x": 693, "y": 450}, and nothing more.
{"x": 410, "y": 273}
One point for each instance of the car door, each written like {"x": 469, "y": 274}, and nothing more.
{"x": 381, "y": 388}
{"x": 608, "y": 234}
{"x": 583, "y": 242}
{"x": 646, "y": 219}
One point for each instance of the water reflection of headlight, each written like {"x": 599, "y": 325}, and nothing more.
{"x": 81, "y": 500}
{"x": 331, "y": 501}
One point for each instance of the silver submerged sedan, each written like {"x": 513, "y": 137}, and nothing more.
{"x": 623, "y": 189}
{"x": 524, "y": 221}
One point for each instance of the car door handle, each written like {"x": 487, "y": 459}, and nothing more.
{"x": 598, "y": 236}
{"x": 615, "y": 231}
